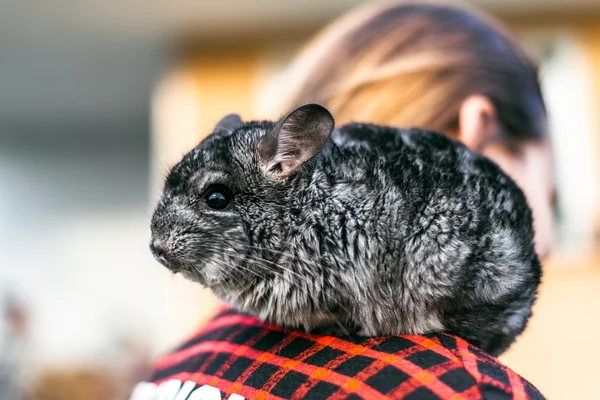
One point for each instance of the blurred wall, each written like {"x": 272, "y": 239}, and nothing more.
{"x": 74, "y": 239}
{"x": 74, "y": 207}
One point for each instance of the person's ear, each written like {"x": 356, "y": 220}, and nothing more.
{"x": 296, "y": 138}
{"x": 227, "y": 125}
{"x": 477, "y": 122}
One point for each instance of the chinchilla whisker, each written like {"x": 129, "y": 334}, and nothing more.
{"x": 242, "y": 268}
{"x": 272, "y": 262}
{"x": 257, "y": 261}
{"x": 230, "y": 285}
{"x": 293, "y": 257}
{"x": 283, "y": 269}
{"x": 229, "y": 275}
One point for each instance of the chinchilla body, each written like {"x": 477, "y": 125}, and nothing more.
{"x": 364, "y": 229}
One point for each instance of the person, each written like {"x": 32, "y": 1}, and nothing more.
{"x": 402, "y": 64}
{"x": 439, "y": 68}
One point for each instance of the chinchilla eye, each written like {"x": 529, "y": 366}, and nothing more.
{"x": 218, "y": 198}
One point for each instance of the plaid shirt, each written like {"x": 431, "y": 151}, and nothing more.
{"x": 238, "y": 357}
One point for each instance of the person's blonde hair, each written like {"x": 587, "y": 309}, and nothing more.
{"x": 411, "y": 64}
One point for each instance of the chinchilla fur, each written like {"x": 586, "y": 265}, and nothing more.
{"x": 364, "y": 229}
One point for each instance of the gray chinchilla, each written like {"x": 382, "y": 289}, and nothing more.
{"x": 365, "y": 229}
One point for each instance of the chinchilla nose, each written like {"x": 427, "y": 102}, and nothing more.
{"x": 159, "y": 251}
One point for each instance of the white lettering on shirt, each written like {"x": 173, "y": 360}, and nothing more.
{"x": 174, "y": 390}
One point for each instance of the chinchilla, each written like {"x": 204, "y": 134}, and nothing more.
{"x": 363, "y": 230}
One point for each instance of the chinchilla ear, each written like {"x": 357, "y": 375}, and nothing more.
{"x": 228, "y": 124}
{"x": 296, "y": 138}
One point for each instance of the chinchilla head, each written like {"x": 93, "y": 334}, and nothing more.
{"x": 225, "y": 210}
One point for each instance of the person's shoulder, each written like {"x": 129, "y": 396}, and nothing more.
{"x": 237, "y": 357}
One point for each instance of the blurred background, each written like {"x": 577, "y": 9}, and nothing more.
{"x": 99, "y": 98}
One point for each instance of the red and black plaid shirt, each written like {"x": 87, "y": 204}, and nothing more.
{"x": 237, "y": 357}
